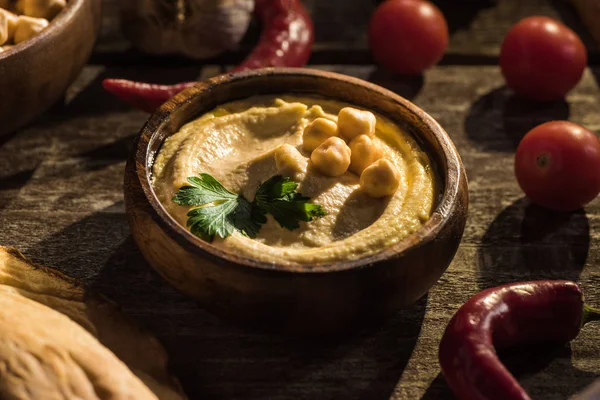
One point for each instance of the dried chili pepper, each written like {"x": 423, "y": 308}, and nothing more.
{"x": 145, "y": 96}
{"x": 286, "y": 41}
{"x": 500, "y": 317}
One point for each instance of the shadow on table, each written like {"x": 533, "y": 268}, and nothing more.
{"x": 213, "y": 358}
{"x": 527, "y": 242}
{"x": 16, "y": 180}
{"x": 405, "y": 86}
{"x": 540, "y": 366}
{"x": 13, "y": 183}
{"x": 82, "y": 248}
{"x": 217, "y": 360}
{"x": 459, "y": 15}
{"x": 569, "y": 16}
{"x": 596, "y": 73}
{"x": 7, "y": 137}
{"x": 92, "y": 99}
{"x": 438, "y": 390}
{"x": 499, "y": 119}
{"x": 112, "y": 153}
{"x": 534, "y": 366}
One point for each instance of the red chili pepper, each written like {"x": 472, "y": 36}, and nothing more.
{"x": 286, "y": 41}
{"x": 500, "y": 317}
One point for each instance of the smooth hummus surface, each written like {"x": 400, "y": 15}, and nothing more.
{"x": 237, "y": 142}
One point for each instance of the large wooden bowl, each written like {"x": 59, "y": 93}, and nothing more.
{"x": 35, "y": 73}
{"x": 296, "y": 298}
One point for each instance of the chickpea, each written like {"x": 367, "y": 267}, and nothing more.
{"x": 3, "y": 28}
{"x": 317, "y": 132}
{"x": 332, "y": 157}
{"x": 28, "y": 27}
{"x": 43, "y": 8}
{"x": 353, "y": 122}
{"x": 364, "y": 153}
{"x": 380, "y": 179}
{"x": 289, "y": 160}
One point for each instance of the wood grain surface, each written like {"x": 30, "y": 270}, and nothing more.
{"x": 61, "y": 203}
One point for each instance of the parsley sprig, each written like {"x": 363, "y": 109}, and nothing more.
{"x": 217, "y": 211}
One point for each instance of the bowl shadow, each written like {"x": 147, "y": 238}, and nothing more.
{"x": 80, "y": 249}
{"x": 499, "y": 119}
{"x": 528, "y": 242}
{"x": 216, "y": 359}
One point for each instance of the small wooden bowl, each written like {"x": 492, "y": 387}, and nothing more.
{"x": 34, "y": 74}
{"x": 296, "y": 298}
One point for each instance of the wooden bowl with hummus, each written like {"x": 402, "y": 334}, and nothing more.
{"x": 297, "y": 200}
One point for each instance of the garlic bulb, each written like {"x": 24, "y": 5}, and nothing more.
{"x": 195, "y": 28}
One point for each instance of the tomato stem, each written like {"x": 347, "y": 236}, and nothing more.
{"x": 543, "y": 160}
{"x": 590, "y": 314}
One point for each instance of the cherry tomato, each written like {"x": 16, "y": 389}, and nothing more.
{"x": 557, "y": 165}
{"x": 542, "y": 59}
{"x": 407, "y": 36}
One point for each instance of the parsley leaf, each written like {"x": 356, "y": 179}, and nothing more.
{"x": 220, "y": 212}
{"x": 278, "y": 197}
{"x": 212, "y": 191}
{"x": 274, "y": 188}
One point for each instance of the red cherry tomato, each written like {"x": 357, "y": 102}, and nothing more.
{"x": 557, "y": 165}
{"x": 542, "y": 59}
{"x": 407, "y": 36}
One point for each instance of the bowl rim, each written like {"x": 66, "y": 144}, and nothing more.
{"x": 52, "y": 30}
{"x": 443, "y": 212}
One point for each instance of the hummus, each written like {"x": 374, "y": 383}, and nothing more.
{"x": 236, "y": 142}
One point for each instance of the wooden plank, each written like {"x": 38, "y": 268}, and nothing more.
{"x": 62, "y": 179}
{"x": 477, "y": 28}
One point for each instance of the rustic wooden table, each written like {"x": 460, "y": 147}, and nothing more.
{"x": 61, "y": 203}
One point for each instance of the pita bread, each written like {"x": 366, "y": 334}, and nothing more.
{"x": 59, "y": 342}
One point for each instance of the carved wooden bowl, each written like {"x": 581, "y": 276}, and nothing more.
{"x": 313, "y": 299}
{"x": 35, "y": 73}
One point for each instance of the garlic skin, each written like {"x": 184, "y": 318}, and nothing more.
{"x": 197, "y": 29}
